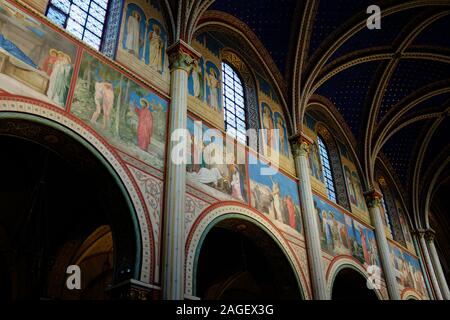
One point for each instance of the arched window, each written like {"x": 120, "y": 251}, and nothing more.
{"x": 85, "y": 19}
{"x": 234, "y": 106}
{"x": 326, "y": 168}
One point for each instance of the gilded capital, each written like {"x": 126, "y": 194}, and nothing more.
{"x": 429, "y": 235}
{"x": 181, "y": 56}
{"x": 300, "y": 149}
{"x": 300, "y": 145}
{"x": 373, "y": 199}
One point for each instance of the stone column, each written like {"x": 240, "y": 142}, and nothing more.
{"x": 443, "y": 286}
{"x": 373, "y": 199}
{"x": 431, "y": 272}
{"x": 416, "y": 240}
{"x": 181, "y": 56}
{"x": 300, "y": 147}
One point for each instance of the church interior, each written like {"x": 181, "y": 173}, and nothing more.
{"x": 224, "y": 150}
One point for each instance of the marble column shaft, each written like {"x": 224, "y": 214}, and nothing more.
{"x": 373, "y": 200}
{"x": 439, "y": 271}
{"x": 181, "y": 57}
{"x": 318, "y": 280}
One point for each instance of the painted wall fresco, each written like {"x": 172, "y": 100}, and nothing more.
{"x": 217, "y": 166}
{"x": 404, "y": 224}
{"x": 315, "y": 164}
{"x": 130, "y": 117}
{"x": 342, "y": 235}
{"x": 204, "y": 81}
{"x": 143, "y": 41}
{"x": 408, "y": 271}
{"x": 35, "y": 61}
{"x": 314, "y": 161}
{"x": 354, "y": 188}
{"x": 352, "y": 182}
{"x": 275, "y": 144}
{"x": 274, "y": 194}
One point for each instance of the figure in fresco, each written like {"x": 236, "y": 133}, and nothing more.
{"x": 197, "y": 79}
{"x": 350, "y": 186}
{"x": 334, "y": 230}
{"x": 145, "y": 124}
{"x": 282, "y": 136}
{"x": 276, "y": 200}
{"x": 133, "y": 41}
{"x": 327, "y": 231}
{"x": 104, "y": 101}
{"x": 291, "y": 211}
{"x": 213, "y": 83}
{"x": 156, "y": 48}
{"x": 58, "y": 84}
{"x": 344, "y": 237}
{"x": 49, "y": 62}
{"x": 320, "y": 221}
{"x": 358, "y": 191}
{"x": 236, "y": 183}
{"x": 15, "y": 51}
{"x": 364, "y": 244}
{"x": 195, "y": 154}
{"x": 420, "y": 285}
{"x": 373, "y": 251}
{"x": 268, "y": 125}
{"x": 314, "y": 162}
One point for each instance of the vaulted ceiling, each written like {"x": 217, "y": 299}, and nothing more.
{"x": 392, "y": 86}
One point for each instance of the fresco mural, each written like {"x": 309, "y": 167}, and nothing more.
{"x": 268, "y": 124}
{"x": 315, "y": 164}
{"x": 205, "y": 81}
{"x": 353, "y": 185}
{"x": 275, "y": 143}
{"x": 196, "y": 80}
{"x": 354, "y": 188}
{"x": 275, "y": 195}
{"x": 35, "y": 61}
{"x": 143, "y": 41}
{"x": 405, "y": 226}
{"x": 130, "y": 117}
{"x": 342, "y": 235}
{"x": 282, "y": 143}
{"x": 215, "y": 167}
{"x": 408, "y": 271}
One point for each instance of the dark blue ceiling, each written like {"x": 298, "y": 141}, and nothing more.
{"x": 399, "y": 150}
{"x": 411, "y": 75}
{"x": 437, "y": 34}
{"x": 348, "y": 91}
{"x": 271, "y": 21}
{"x": 331, "y": 14}
{"x": 439, "y": 141}
{"x": 391, "y": 26}
{"x": 434, "y": 104}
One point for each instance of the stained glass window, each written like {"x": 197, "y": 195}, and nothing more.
{"x": 234, "y": 106}
{"x": 85, "y": 19}
{"x": 326, "y": 168}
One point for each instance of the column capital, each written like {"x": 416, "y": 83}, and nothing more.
{"x": 373, "y": 198}
{"x": 182, "y": 56}
{"x": 428, "y": 234}
{"x": 300, "y": 144}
